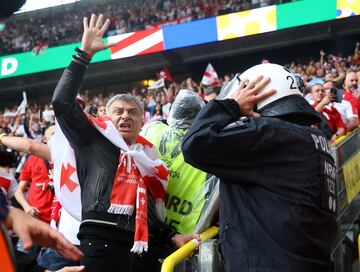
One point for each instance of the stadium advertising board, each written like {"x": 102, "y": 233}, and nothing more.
{"x": 224, "y": 27}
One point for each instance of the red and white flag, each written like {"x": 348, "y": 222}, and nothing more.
{"x": 165, "y": 74}
{"x": 66, "y": 181}
{"x": 137, "y": 43}
{"x": 210, "y": 77}
{"x": 39, "y": 48}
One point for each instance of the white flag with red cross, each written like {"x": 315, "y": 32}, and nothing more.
{"x": 66, "y": 181}
{"x": 210, "y": 77}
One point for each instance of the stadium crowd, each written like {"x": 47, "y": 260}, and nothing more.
{"x": 329, "y": 83}
{"x": 58, "y": 27}
{"x": 326, "y": 68}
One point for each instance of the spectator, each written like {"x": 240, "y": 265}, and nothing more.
{"x": 211, "y": 93}
{"x": 348, "y": 116}
{"x": 40, "y": 195}
{"x": 41, "y": 31}
{"x": 323, "y": 103}
{"x": 111, "y": 222}
{"x": 158, "y": 115}
{"x": 186, "y": 191}
{"x": 66, "y": 224}
{"x": 351, "y": 92}
{"x": 101, "y": 110}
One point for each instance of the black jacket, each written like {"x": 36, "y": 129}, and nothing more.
{"x": 277, "y": 194}
{"x": 97, "y": 160}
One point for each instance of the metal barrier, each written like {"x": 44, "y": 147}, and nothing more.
{"x": 346, "y": 152}
{"x": 187, "y": 250}
{"x": 359, "y": 246}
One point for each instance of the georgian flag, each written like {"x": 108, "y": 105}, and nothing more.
{"x": 66, "y": 181}
{"x": 210, "y": 77}
{"x": 165, "y": 74}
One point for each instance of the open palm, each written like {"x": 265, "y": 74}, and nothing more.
{"x": 92, "y": 40}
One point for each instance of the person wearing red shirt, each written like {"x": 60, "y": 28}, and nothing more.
{"x": 351, "y": 92}
{"x": 323, "y": 103}
{"x": 40, "y": 196}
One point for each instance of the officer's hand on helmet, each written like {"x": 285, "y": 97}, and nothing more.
{"x": 247, "y": 95}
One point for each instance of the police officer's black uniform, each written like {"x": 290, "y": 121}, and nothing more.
{"x": 277, "y": 191}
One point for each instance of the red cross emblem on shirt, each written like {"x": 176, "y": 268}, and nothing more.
{"x": 65, "y": 177}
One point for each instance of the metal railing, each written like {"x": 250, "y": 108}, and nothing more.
{"x": 187, "y": 250}
{"x": 345, "y": 152}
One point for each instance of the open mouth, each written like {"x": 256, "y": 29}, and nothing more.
{"x": 125, "y": 126}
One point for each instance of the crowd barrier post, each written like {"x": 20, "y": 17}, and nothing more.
{"x": 187, "y": 250}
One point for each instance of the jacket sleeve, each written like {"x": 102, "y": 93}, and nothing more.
{"x": 68, "y": 113}
{"x": 221, "y": 144}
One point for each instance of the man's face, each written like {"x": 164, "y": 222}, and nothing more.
{"x": 327, "y": 88}
{"x": 351, "y": 82}
{"x": 101, "y": 111}
{"x": 127, "y": 118}
{"x": 317, "y": 92}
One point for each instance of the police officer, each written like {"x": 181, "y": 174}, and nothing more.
{"x": 277, "y": 189}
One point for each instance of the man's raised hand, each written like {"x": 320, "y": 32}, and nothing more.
{"x": 94, "y": 31}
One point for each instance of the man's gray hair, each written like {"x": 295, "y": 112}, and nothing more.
{"x": 126, "y": 98}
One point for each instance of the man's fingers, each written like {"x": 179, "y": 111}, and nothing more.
{"x": 242, "y": 84}
{"x": 265, "y": 95}
{"x": 196, "y": 236}
{"x": 67, "y": 249}
{"x": 260, "y": 84}
{"x": 105, "y": 26}
{"x": 57, "y": 241}
{"x": 72, "y": 269}
{"x": 85, "y": 23}
{"x": 253, "y": 82}
{"x": 92, "y": 20}
{"x": 25, "y": 239}
{"x": 99, "y": 22}
{"x": 108, "y": 45}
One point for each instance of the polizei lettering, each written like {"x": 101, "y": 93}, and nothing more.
{"x": 321, "y": 143}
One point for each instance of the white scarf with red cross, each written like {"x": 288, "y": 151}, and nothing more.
{"x": 139, "y": 171}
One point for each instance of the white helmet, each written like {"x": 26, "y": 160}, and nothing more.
{"x": 287, "y": 100}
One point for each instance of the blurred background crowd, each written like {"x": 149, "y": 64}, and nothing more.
{"x": 157, "y": 102}
{"x": 62, "y": 25}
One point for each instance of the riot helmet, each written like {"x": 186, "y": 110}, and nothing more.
{"x": 287, "y": 102}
